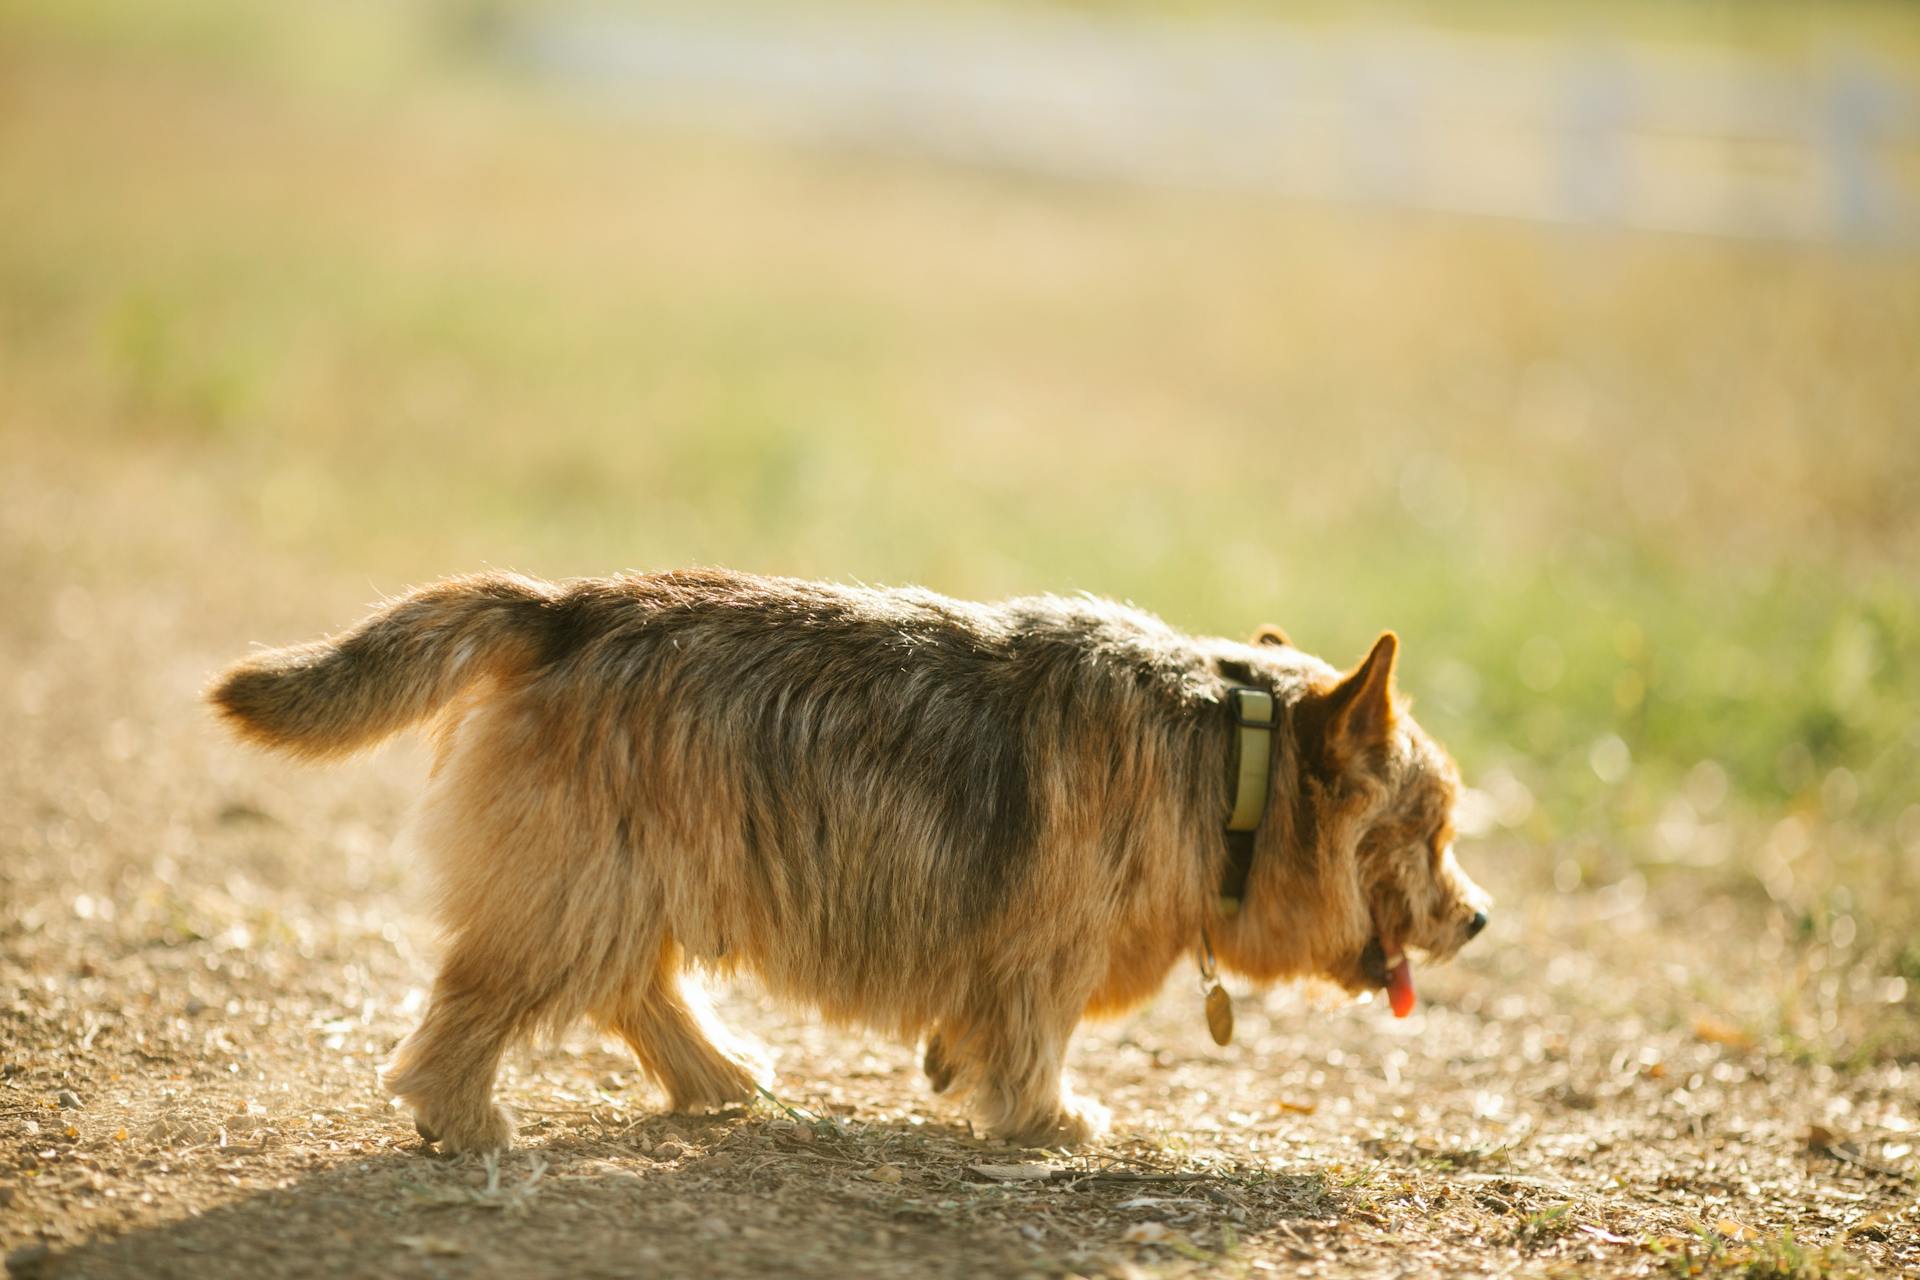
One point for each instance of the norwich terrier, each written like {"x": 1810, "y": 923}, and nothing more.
{"x": 972, "y": 823}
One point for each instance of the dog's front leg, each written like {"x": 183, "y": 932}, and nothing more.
{"x": 1012, "y": 1052}
{"x": 938, "y": 1061}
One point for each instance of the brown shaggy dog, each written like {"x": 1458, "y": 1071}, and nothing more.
{"x": 977, "y": 823}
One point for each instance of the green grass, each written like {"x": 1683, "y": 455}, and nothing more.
{"x": 1642, "y": 509}
{"x": 1779, "y": 1257}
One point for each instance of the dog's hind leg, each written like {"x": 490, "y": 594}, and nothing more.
{"x": 523, "y": 963}
{"x": 444, "y": 1071}
{"x": 671, "y": 1028}
{"x": 538, "y": 900}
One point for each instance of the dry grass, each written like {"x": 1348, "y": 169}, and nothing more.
{"x": 279, "y": 331}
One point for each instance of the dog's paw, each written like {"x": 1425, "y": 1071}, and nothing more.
{"x": 1070, "y": 1122}
{"x": 717, "y": 1086}
{"x": 490, "y": 1129}
{"x": 1082, "y": 1120}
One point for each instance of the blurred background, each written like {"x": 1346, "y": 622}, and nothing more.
{"x": 1578, "y": 342}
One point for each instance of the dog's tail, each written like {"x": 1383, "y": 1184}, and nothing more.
{"x": 338, "y": 695}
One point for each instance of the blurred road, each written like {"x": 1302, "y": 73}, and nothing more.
{"x": 1564, "y": 130}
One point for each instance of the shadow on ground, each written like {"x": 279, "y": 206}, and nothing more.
{"x": 727, "y": 1194}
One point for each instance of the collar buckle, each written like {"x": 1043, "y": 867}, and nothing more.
{"x": 1256, "y": 715}
{"x": 1251, "y": 708}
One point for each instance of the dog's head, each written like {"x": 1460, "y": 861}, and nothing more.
{"x": 1360, "y": 868}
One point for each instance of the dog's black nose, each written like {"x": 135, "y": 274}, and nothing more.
{"x": 1475, "y": 925}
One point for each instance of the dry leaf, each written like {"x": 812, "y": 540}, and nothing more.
{"x": 1828, "y": 1143}
{"x": 433, "y": 1246}
{"x": 1712, "y": 1030}
{"x": 885, "y": 1173}
{"x": 439, "y": 1197}
{"x": 1297, "y": 1108}
{"x": 1014, "y": 1172}
{"x": 1147, "y": 1233}
{"x": 1733, "y": 1230}
{"x": 1873, "y": 1225}
{"x": 1601, "y": 1234}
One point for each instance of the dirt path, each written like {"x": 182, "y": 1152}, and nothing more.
{"x": 203, "y": 956}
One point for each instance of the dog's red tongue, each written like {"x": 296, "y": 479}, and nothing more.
{"x": 1400, "y": 987}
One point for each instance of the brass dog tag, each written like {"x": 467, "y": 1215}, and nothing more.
{"x": 1220, "y": 1014}
{"x": 1219, "y": 1004}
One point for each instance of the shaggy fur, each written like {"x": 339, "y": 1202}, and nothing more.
{"x": 974, "y": 823}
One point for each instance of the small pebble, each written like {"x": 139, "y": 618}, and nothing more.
{"x": 69, "y": 1100}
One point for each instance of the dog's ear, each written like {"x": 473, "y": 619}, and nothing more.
{"x": 1273, "y": 635}
{"x": 1360, "y": 708}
